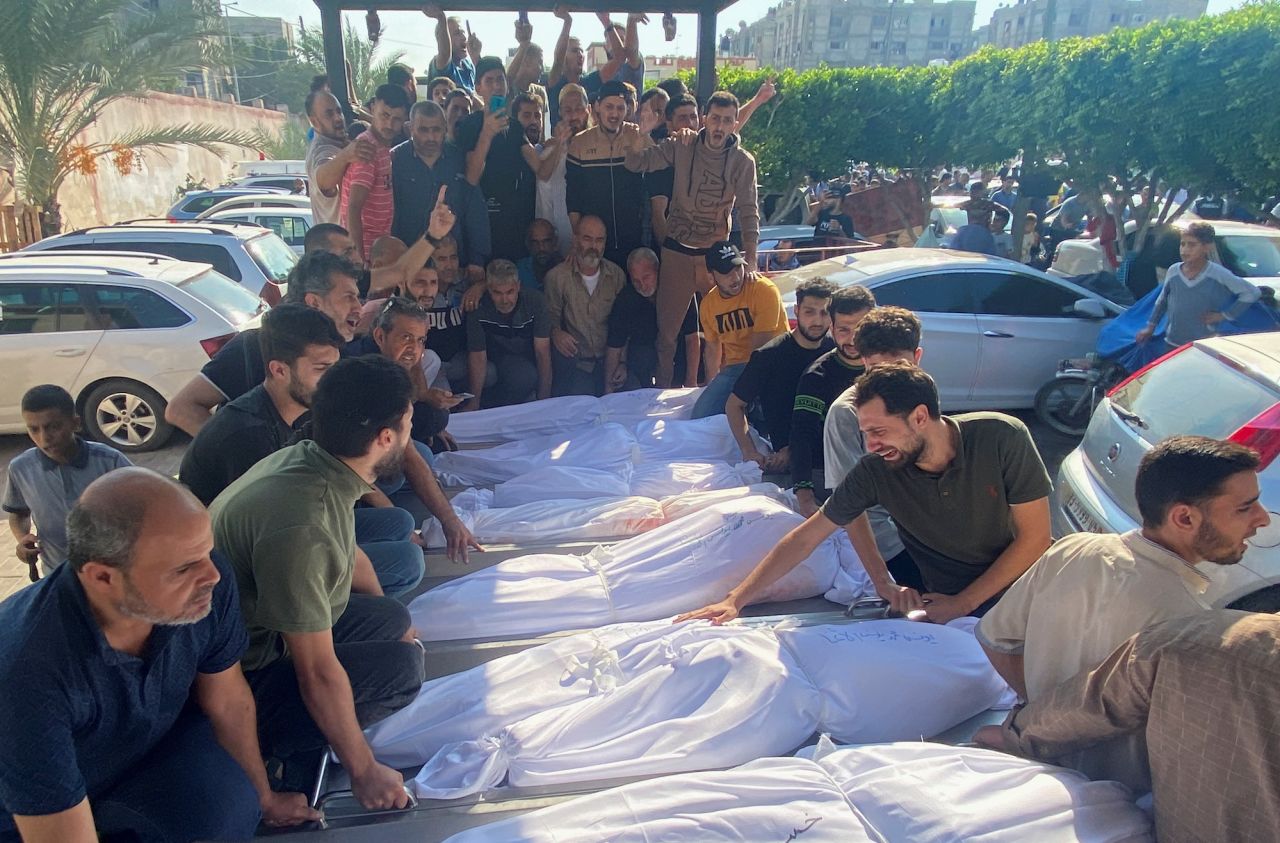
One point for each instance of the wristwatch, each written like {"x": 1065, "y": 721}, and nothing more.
{"x": 434, "y": 241}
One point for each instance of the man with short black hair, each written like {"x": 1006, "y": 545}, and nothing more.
{"x": 328, "y": 655}
{"x": 45, "y": 481}
{"x": 596, "y": 181}
{"x": 543, "y": 242}
{"x": 439, "y": 89}
{"x": 712, "y": 177}
{"x": 1199, "y": 502}
{"x": 680, "y": 112}
{"x": 770, "y": 377}
{"x": 740, "y": 315}
{"x": 329, "y": 153}
{"x": 819, "y": 386}
{"x": 421, "y": 169}
{"x": 401, "y": 75}
{"x": 969, "y": 493}
{"x": 509, "y": 331}
{"x": 886, "y": 335}
{"x": 126, "y": 713}
{"x": 298, "y": 344}
{"x": 631, "y": 353}
{"x": 367, "y": 202}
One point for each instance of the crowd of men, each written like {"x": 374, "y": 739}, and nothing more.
{"x": 195, "y": 646}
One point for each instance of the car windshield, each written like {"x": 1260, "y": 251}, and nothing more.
{"x": 1251, "y": 256}
{"x": 225, "y": 296}
{"x": 1192, "y": 393}
{"x": 273, "y": 256}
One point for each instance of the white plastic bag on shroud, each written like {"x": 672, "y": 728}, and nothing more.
{"x": 770, "y": 799}
{"x": 669, "y": 699}
{"x": 637, "y": 405}
{"x": 666, "y": 440}
{"x": 664, "y": 479}
{"x": 520, "y": 421}
{"x": 932, "y": 793}
{"x": 562, "y": 483}
{"x": 607, "y": 447}
{"x": 547, "y": 522}
{"x": 675, "y": 568}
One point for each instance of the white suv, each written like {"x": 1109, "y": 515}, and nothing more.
{"x": 121, "y": 332}
{"x": 258, "y": 259}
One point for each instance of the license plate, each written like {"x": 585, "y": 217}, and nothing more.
{"x": 1080, "y": 515}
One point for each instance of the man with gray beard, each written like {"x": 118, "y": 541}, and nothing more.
{"x": 328, "y": 654}
{"x": 128, "y": 715}
{"x": 580, "y": 293}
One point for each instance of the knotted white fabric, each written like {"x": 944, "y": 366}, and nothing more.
{"x": 674, "y": 568}
{"x": 918, "y": 792}
{"x": 681, "y": 697}
{"x": 664, "y": 479}
{"x": 607, "y": 447}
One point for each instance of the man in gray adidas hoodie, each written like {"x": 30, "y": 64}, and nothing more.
{"x": 713, "y": 175}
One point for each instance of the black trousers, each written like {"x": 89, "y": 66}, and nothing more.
{"x": 385, "y": 675}
{"x": 568, "y": 379}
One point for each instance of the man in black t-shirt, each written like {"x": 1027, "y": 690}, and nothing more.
{"x": 769, "y": 380}
{"x": 301, "y": 344}
{"x": 510, "y": 333}
{"x": 836, "y": 221}
{"x": 500, "y": 162}
{"x": 631, "y": 355}
{"x": 446, "y": 317}
{"x": 821, "y": 384}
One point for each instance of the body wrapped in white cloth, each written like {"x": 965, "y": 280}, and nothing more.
{"x": 674, "y": 568}
{"x": 571, "y": 413}
{"x": 660, "y": 698}
{"x": 918, "y": 792}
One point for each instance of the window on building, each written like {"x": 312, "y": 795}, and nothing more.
{"x": 879, "y": 21}
{"x": 837, "y": 22}
{"x": 1140, "y": 18}
{"x": 937, "y": 45}
{"x": 877, "y": 46}
{"x": 900, "y": 22}
{"x": 1115, "y": 17}
{"x": 1076, "y": 19}
{"x": 1008, "y": 25}
{"x": 898, "y": 48}
{"x": 836, "y": 45}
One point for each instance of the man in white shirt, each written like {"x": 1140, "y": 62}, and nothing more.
{"x": 329, "y": 154}
{"x": 1089, "y": 593}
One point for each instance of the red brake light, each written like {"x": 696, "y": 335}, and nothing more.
{"x": 270, "y": 293}
{"x": 213, "y": 345}
{"x": 1262, "y": 434}
{"x": 1146, "y": 369}
{"x": 791, "y": 323}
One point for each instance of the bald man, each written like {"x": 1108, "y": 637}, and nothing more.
{"x": 106, "y": 652}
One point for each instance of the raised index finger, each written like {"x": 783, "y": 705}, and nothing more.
{"x": 440, "y": 195}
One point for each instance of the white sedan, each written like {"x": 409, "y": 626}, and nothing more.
{"x": 994, "y": 330}
{"x": 289, "y": 224}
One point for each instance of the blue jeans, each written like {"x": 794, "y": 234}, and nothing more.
{"x": 712, "y": 400}
{"x": 383, "y": 534}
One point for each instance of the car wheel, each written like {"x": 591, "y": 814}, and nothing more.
{"x": 1267, "y": 600}
{"x": 126, "y": 415}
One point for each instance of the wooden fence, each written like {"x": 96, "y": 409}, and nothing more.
{"x": 18, "y": 228}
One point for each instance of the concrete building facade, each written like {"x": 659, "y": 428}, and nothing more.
{"x": 803, "y": 34}
{"x": 1025, "y": 21}
{"x": 246, "y": 28}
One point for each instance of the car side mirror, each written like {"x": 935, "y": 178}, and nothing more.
{"x": 1090, "y": 309}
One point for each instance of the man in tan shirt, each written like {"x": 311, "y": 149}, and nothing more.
{"x": 1204, "y": 691}
{"x": 580, "y": 293}
{"x": 1199, "y": 503}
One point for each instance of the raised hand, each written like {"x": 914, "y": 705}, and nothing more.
{"x": 767, "y": 90}
{"x": 562, "y": 12}
{"x": 442, "y": 218}
{"x": 433, "y": 10}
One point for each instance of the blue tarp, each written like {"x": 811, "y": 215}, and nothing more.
{"x": 1116, "y": 340}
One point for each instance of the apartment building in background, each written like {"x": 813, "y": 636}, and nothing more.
{"x": 1025, "y": 21}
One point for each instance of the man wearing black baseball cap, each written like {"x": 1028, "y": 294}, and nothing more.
{"x": 738, "y": 316}
{"x": 596, "y": 182}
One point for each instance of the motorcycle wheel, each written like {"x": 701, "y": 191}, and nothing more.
{"x": 1064, "y": 405}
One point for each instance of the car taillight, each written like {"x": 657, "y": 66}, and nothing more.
{"x": 270, "y": 293}
{"x": 791, "y": 323}
{"x": 1146, "y": 369}
{"x": 1262, "y": 434}
{"x": 213, "y": 345}
{"x": 171, "y": 219}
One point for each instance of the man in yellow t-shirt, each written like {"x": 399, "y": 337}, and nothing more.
{"x": 738, "y": 316}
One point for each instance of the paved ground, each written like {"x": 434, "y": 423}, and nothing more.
{"x": 13, "y": 575}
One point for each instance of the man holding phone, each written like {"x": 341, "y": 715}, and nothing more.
{"x": 500, "y": 161}
{"x": 456, "y": 52}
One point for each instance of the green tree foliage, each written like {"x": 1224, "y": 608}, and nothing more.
{"x": 1192, "y": 101}
{"x": 368, "y": 63}
{"x": 63, "y": 61}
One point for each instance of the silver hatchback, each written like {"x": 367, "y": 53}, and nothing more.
{"x": 1226, "y": 388}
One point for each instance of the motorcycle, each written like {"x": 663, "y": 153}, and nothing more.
{"x": 1067, "y": 401}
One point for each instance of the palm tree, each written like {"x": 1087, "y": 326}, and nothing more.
{"x": 367, "y": 71}
{"x": 63, "y": 61}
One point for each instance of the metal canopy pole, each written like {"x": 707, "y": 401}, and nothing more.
{"x": 335, "y": 58}
{"x": 706, "y": 53}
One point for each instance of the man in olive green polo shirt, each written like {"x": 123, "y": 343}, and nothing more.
{"x": 969, "y": 494}
{"x": 328, "y": 654}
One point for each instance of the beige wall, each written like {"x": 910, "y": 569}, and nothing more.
{"x": 148, "y": 191}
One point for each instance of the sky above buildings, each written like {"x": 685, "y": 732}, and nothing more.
{"x": 412, "y": 32}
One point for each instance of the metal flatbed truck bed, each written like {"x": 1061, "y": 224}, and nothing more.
{"x": 436, "y": 820}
